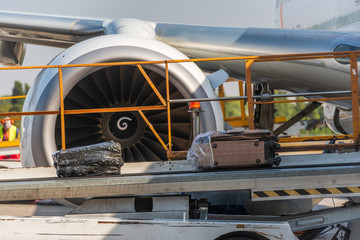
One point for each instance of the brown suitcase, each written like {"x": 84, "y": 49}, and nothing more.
{"x": 244, "y": 148}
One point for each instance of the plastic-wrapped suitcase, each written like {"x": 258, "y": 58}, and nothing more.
{"x": 234, "y": 148}
{"x": 93, "y": 160}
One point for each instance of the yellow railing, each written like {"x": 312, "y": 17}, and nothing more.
{"x": 249, "y": 61}
{"x": 166, "y": 104}
{"x": 63, "y": 112}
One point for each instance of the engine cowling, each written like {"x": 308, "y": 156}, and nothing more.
{"x": 337, "y": 119}
{"x": 116, "y": 86}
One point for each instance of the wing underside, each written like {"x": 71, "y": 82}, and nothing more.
{"x": 47, "y": 30}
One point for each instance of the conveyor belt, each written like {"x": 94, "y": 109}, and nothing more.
{"x": 316, "y": 177}
{"x": 295, "y": 172}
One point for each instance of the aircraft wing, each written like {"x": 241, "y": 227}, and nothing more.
{"x": 59, "y": 31}
{"x": 47, "y": 30}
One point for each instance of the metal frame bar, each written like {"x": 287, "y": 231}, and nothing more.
{"x": 222, "y": 102}
{"x": 249, "y": 61}
{"x": 312, "y": 147}
{"x": 306, "y": 100}
{"x": 272, "y": 96}
{"x": 168, "y": 102}
{"x": 13, "y": 97}
{"x": 355, "y": 98}
{"x": 249, "y": 94}
{"x": 242, "y": 117}
{"x": 153, "y": 130}
{"x": 151, "y": 84}
{"x": 85, "y": 111}
{"x": 315, "y": 138}
{"x": 61, "y": 92}
{"x": 242, "y": 102}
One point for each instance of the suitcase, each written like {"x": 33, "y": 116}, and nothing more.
{"x": 247, "y": 148}
{"x": 92, "y": 160}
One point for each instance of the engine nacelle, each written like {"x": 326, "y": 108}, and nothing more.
{"x": 116, "y": 86}
{"x": 337, "y": 119}
{"x": 132, "y": 27}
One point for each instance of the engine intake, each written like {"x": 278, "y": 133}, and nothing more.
{"x": 115, "y": 86}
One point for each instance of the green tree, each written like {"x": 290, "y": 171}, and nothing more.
{"x": 18, "y": 90}
{"x": 5, "y": 105}
{"x": 290, "y": 109}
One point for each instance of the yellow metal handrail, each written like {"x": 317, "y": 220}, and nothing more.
{"x": 13, "y": 97}
{"x": 7, "y": 144}
{"x": 249, "y": 61}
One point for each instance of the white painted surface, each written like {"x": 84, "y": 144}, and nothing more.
{"x": 65, "y": 228}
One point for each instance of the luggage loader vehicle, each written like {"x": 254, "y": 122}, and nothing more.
{"x": 158, "y": 202}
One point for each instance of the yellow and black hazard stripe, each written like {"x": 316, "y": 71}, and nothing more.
{"x": 311, "y": 192}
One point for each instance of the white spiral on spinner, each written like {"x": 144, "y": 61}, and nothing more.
{"x": 123, "y": 125}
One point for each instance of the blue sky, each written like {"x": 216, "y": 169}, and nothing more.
{"x": 235, "y": 13}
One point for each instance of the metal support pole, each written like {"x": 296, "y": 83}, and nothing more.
{"x": 242, "y": 102}
{"x": 355, "y": 98}
{"x": 249, "y": 93}
{"x": 168, "y": 103}
{"x": 222, "y": 103}
{"x": 196, "y": 122}
{"x": 62, "y": 115}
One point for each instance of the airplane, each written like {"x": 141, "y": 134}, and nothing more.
{"x": 332, "y": 15}
{"x": 101, "y": 40}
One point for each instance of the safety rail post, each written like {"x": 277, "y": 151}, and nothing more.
{"x": 222, "y": 103}
{"x": 62, "y": 115}
{"x": 355, "y": 98}
{"x": 242, "y": 102}
{"x": 248, "y": 64}
{"x": 168, "y": 103}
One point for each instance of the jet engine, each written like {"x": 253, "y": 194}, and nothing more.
{"x": 115, "y": 86}
{"x": 338, "y": 119}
